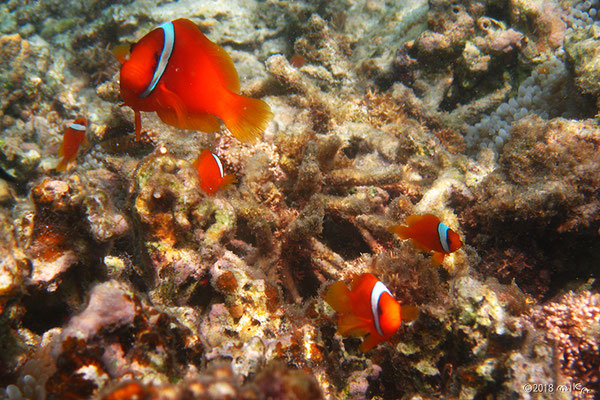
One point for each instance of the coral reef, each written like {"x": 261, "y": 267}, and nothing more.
{"x": 571, "y": 325}
{"x": 121, "y": 279}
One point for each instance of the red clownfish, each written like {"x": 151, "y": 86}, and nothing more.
{"x": 210, "y": 171}
{"x": 367, "y": 308}
{"x": 73, "y": 137}
{"x": 189, "y": 81}
{"x": 429, "y": 234}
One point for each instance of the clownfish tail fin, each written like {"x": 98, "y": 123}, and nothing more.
{"x": 247, "y": 118}
{"x": 400, "y": 230}
{"x": 409, "y": 313}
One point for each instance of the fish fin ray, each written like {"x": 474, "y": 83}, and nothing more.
{"x": 370, "y": 341}
{"x": 338, "y": 297}
{"x": 225, "y": 64}
{"x": 400, "y": 230}
{"x": 62, "y": 165}
{"x": 352, "y": 325}
{"x": 174, "y": 113}
{"x": 247, "y": 118}
{"x": 228, "y": 180}
{"x": 438, "y": 258}
{"x": 121, "y": 51}
{"x": 409, "y": 313}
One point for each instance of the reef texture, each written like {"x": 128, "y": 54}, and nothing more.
{"x": 120, "y": 279}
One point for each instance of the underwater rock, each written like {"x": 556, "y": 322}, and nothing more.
{"x": 118, "y": 337}
{"x": 544, "y": 188}
{"x": 110, "y": 306}
{"x": 582, "y": 51}
{"x": 14, "y": 265}
{"x": 182, "y": 230}
{"x": 543, "y": 22}
{"x": 571, "y": 324}
{"x": 275, "y": 381}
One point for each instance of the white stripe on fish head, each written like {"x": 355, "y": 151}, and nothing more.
{"x": 78, "y": 127}
{"x": 169, "y": 41}
{"x": 378, "y": 289}
{"x": 219, "y": 164}
{"x": 443, "y": 236}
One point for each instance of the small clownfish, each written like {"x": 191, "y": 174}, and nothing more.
{"x": 188, "y": 81}
{"x": 367, "y": 308}
{"x": 73, "y": 137}
{"x": 210, "y": 171}
{"x": 428, "y": 233}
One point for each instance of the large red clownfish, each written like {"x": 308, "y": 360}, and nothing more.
{"x": 428, "y": 233}
{"x": 73, "y": 138}
{"x": 367, "y": 309}
{"x": 189, "y": 81}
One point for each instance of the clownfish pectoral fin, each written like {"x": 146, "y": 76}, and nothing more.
{"x": 174, "y": 112}
{"x": 438, "y": 258}
{"x": 338, "y": 297}
{"x": 370, "y": 341}
{"x": 246, "y": 118}
{"x": 121, "y": 51}
{"x": 400, "y": 230}
{"x": 353, "y": 325}
{"x": 200, "y": 122}
{"x": 409, "y": 313}
{"x": 172, "y": 102}
{"x": 62, "y": 165}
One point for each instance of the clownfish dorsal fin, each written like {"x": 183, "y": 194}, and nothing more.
{"x": 400, "y": 230}
{"x": 121, "y": 52}
{"x": 412, "y": 219}
{"x": 409, "y": 313}
{"x": 225, "y": 64}
{"x": 338, "y": 297}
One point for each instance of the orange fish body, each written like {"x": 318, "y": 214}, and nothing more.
{"x": 429, "y": 234}
{"x": 368, "y": 308}
{"x": 188, "y": 81}
{"x": 73, "y": 137}
{"x": 211, "y": 174}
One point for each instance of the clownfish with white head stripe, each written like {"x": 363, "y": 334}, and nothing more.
{"x": 73, "y": 138}
{"x": 188, "y": 81}
{"x": 211, "y": 173}
{"x": 428, "y": 233}
{"x": 368, "y": 308}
